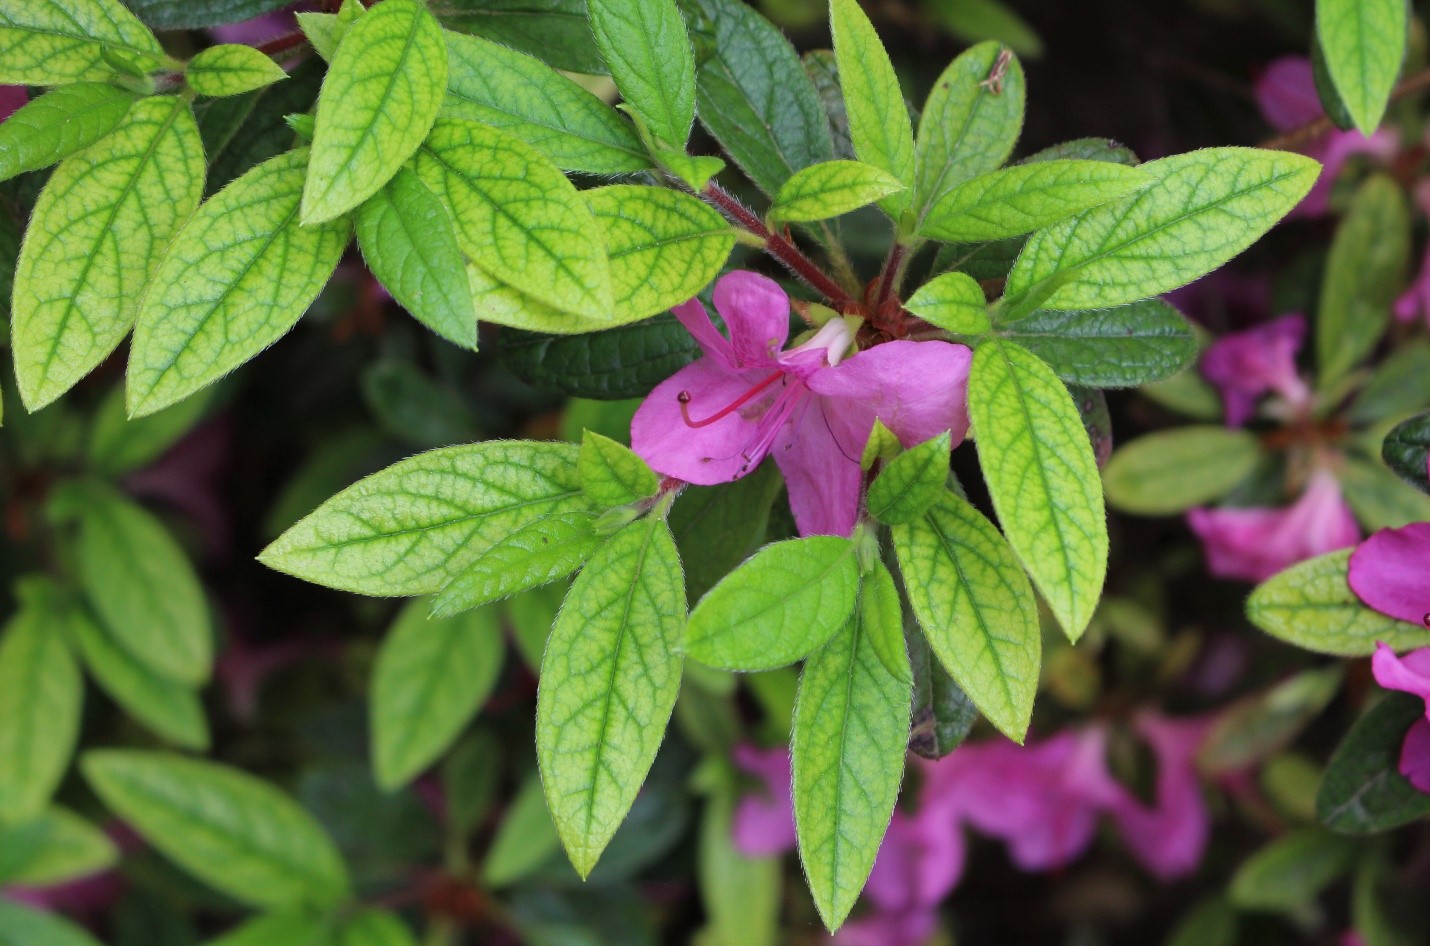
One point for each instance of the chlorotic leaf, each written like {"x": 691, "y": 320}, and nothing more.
{"x": 609, "y": 680}
{"x": 970, "y": 122}
{"x": 831, "y": 189}
{"x": 611, "y": 474}
{"x": 781, "y": 604}
{"x": 497, "y": 86}
{"x": 1363, "y": 791}
{"x": 381, "y": 96}
{"x": 410, "y": 244}
{"x": 976, "y": 609}
{"x": 142, "y": 586}
{"x": 953, "y": 302}
{"x": 850, "y": 735}
{"x": 879, "y": 122}
{"x": 1311, "y": 605}
{"x": 417, "y": 525}
{"x": 22, "y": 926}
{"x": 1027, "y": 197}
{"x": 55, "y": 42}
{"x": 235, "y": 832}
{"x": 1110, "y": 348}
{"x": 1206, "y": 207}
{"x": 41, "y": 695}
{"x": 429, "y": 679}
{"x": 665, "y": 247}
{"x": 518, "y": 217}
{"x": 646, "y": 45}
{"x": 77, "y": 287}
{"x": 911, "y": 483}
{"x": 1043, "y": 477}
{"x": 239, "y": 276}
{"x": 231, "y": 69}
{"x": 1171, "y": 471}
{"x": 60, "y": 123}
{"x": 1364, "y": 46}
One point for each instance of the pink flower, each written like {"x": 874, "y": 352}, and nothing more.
{"x": 1246, "y": 365}
{"x": 11, "y": 98}
{"x": 1410, "y": 674}
{"x": 262, "y": 28}
{"x": 764, "y": 819}
{"x": 1390, "y": 572}
{"x": 1169, "y": 836}
{"x": 812, "y": 406}
{"x": 1286, "y": 93}
{"x": 1253, "y": 544}
{"x": 1415, "y": 301}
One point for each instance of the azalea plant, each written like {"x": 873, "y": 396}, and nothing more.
{"x": 758, "y": 396}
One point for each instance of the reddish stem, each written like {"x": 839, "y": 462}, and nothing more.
{"x": 780, "y": 247}
{"x": 892, "y": 269}
{"x": 282, "y": 43}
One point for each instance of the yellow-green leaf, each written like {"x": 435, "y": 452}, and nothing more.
{"x": 879, "y": 122}
{"x": 231, "y": 69}
{"x": 53, "y": 42}
{"x": 953, "y": 302}
{"x": 831, "y": 189}
{"x": 59, "y": 123}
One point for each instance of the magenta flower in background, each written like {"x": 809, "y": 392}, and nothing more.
{"x": 1169, "y": 836}
{"x": 1252, "y": 544}
{"x": 764, "y": 819}
{"x": 260, "y": 29}
{"x": 1247, "y": 365}
{"x": 1409, "y": 674}
{"x": 1390, "y": 572}
{"x": 1286, "y": 94}
{"x": 812, "y": 406}
{"x": 1415, "y": 301}
{"x": 11, "y": 98}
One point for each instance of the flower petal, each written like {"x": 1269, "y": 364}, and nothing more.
{"x": 1415, "y": 756}
{"x": 1408, "y": 674}
{"x": 1390, "y": 572}
{"x": 1247, "y": 365}
{"x": 764, "y": 819}
{"x": 697, "y": 322}
{"x": 1170, "y": 836}
{"x": 918, "y": 389}
{"x": 756, "y": 314}
{"x": 1286, "y": 93}
{"x": 821, "y": 475}
{"x": 701, "y": 455}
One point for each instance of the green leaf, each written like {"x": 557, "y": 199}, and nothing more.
{"x": 619, "y": 363}
{"x": 286, "y": 928}
{"x": 419, "y": 524}
{"x": 611, "y": 474}
{"x": 1027, "y": 197}
{"x": 832, "y": 189}
{"x": 55, "y": 42}
{"x": 1128, "y": 346}
{"x": 143, "y": 588}
{"x": 694, "y": 171}
{"x": 850, "y": 735}
{"x": 1212, "y": 922}
{"x": 756, "y": 99}
{"x": 1206, "y": 207}
{"x": 1364, "y": 46}
{"x": 410, "y": 244}
{"x": 1290, "y": 872}
{"x": 58, "y": 846}
{"x": 976, "y": 608}
{"x": 1043, "y": 478}
{"x": 243, "y": 131}
{"x": 879, "y": 122}
{"x": 718, "y": 527}
{"x": 1312, "y": 606}
{"x": 239, "y": 276}
{"x": 518, "y": 217}
{"x": 645, "y": 44}
{"x": 525, "y": 841}
{"x": 1171, "y": 471}
{"x": 1406, "y": 451}
{"x": 970, "y": 122}
{"x": 324, "y": 32}
{"x": 943, "y": 715}
{"x": 22, "y": 926}
{"x": 1392, "y": 391}
{"x": 118, "y": 445}
{"x": 741, "y": 895}
{"x": 781, "y": 604}
{"x": 237, "y": 833}
{"x": 1258, "y": 727}
{"x": 429, "y": 679}
{"x": 556, "y": 31}
{"x": 41, "y": 695}
{"x": 231, "y": 69}
{"x": 497, "y": 86}
{"x": 533, "y": 554}
{"x": 1364, "y": 274}
{"x": 911, "y": 483}
{"x": 77, "y": 287}
{"x": 608, "y": 684}
{"x": 975, "y": 20}
{"x": 665, "y": 246}
{"x": 169, "y": 709}
{"x": 953, "y": 302}
{"x": 1363, "y": 791}
{"x": 378, "y": 103}
{"x": 501, "y": 304}
{"x": 59, "y": 123}
{"x": 371, "y": 927}
{"x": 1380, "y": 499}
{"x": 196, "y": 14}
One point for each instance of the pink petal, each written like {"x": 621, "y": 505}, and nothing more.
{"x": 1408, "y": 674}
{"x": 697, "y": 322}
{"x": 911, "y": 928}
{"x": 764, "y": 819}
{"x": 756, "y": 314}
{"x": 701, "y": 455}
{"x": 1390, "y": 572}
{"x": 1415, "y": 756}
{"x": 1415, "y": 301}
{"x": 1254, "y": 544}
{"x": 918, "y": 389}
{"x": 821, "y": 474}
{"x": 1247, "y": 365}
{"x": 920, "y": 861}
{"x": 261, "y": 28}
{"x": 1338, "y": 149}
{"x": 11, "y": 98}
{"x": 1170, "y": 836}
{"x": 1286, "y": 93}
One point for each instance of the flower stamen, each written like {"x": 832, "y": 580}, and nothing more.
{"x": 684, "y": 398}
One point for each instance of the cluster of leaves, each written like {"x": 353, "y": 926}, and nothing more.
{"x": 445, "y": 140}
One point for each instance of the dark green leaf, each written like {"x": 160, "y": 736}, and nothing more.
{"x": 554, "y": 31}
{"x": 612, "y": 365}
{"x": 195, "y": 14}
{"x": 1363, "y": 791}
{"x": 1406, "y": 449}
{"x": 718, "y": 527}
{"x": 1110, "y": 348}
